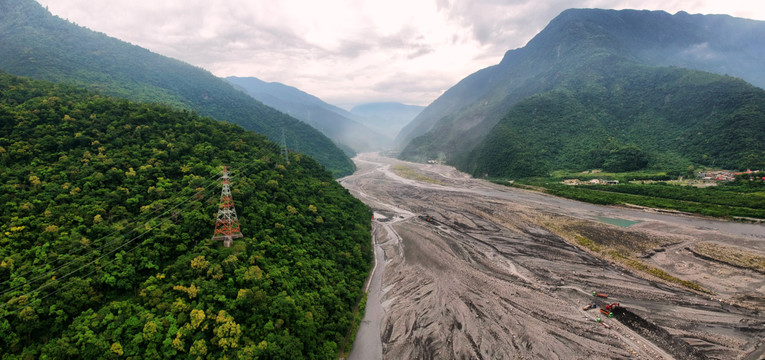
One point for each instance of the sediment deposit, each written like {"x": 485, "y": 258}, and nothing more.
{"x": 477, "y": 270}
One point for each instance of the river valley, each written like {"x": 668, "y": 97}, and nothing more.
{"x": 469, "y": 269}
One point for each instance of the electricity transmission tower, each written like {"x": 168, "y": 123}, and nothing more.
{"x": 283, "y": 145}
{"x": 227, "y": 224}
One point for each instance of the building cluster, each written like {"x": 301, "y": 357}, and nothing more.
{"x": 590, "y": 182}
{"x": 711, "y": 177}
{"x": 726, "y": 175}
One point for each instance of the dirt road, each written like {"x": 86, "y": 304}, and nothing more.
{"x": 470, "y": 269}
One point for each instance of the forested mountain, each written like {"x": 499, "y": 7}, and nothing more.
{"x": 628, "y": 117}
{"x": 336, "y": 123}
{"x": 386, "y": 117}
{"x": 108, "y": 211}
{"x": 566, "y": 57}
{"x": 36, "y": 44}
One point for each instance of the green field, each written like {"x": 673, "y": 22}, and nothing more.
{"x": 741, "y": 198}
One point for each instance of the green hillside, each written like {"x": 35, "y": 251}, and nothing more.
{"x": 561, "y": 63}
{"x": 621, "y": 116}
{"x": 108, "y": 208}
{"x": 36, "y": 44}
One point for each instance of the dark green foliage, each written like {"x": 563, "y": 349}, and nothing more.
{"x": 108, "y": 208}
{"x": 621, "y": 116}
{"x": 722, "y": 195}
{"x": 625, "y": 158}
{"x": 42, "y": 46}
{"x": 743, "y": 198}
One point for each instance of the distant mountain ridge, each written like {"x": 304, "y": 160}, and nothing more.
{"x": 36, "y": 44}
{"x": 567, "y": 54}
{"x": 386, "y": 117}
{"x": 334, "y": 122}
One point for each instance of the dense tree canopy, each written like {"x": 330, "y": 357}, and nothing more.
{"x": 108, "y": 208}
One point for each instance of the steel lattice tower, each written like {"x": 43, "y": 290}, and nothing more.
{"x": 227, "y": 224}
{"x": 283, "y": 145}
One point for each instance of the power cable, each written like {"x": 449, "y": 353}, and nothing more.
{"x": 60, "y": 257}
{"x": 100, "y": 257}
{"x": 192, "y": 197}
{"x": 80, "y": 257}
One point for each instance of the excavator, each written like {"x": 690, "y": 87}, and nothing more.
{"x": 609, "y": 310}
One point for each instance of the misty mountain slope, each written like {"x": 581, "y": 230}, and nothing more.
{"x": 621, "y": 116}
{"x": 460, "y": 119}
{"x": 719, "y": 44}
{"x": 332, "y": 121}
{"x": 386, "y": 117}
{"x": 36, "y": 44}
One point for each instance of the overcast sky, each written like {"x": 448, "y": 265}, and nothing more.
{"x": 348, "y": 51}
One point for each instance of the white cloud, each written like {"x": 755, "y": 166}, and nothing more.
{"x": 346, "y": 51}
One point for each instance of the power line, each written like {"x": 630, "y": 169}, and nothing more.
{"x": 81, "y": 257}
{"x": 43, "y": 286}
{"x": 284, "y": 151}
{"x": 76, "y": 253}
{"x": 186, "y": 201}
